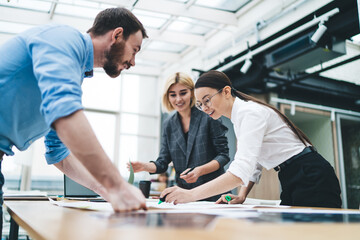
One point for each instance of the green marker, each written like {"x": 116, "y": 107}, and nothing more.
{"x": 161, "y": 200}
{"x": 228, "y": 198}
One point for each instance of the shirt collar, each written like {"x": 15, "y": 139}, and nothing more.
{"x": 89, "y": 65}
{"x": 236, "y": 106}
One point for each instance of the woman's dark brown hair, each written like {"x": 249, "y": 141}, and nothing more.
{"x": 218, "y": 80}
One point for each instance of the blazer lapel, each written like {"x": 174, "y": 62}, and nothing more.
{"x": 180, "y": 139}
{"x": 194, "y": 127}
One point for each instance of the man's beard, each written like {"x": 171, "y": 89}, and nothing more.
{"x": 113, "y": 57}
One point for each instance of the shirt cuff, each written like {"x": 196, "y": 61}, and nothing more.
{"x": 62, "y": 109}
{"x": 156, "y": 172}
{"x": 223, "y": 160}
{"x": 53, "y": 157}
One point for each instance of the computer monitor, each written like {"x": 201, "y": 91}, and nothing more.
{"x": 74, "y": 189}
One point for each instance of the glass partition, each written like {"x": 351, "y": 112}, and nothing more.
{"x": 348, "y": 128}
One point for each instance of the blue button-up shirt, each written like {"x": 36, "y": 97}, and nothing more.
{"x": 41, "y": 72}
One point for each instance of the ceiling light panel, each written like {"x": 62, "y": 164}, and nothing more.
{"x": 152, "y": 20}
{"x": 188, "y": 25}
{"x": 225, "y": 5}
{"x": 166, "y": 47}
{"x": 13, "y": 28}
{"x": 28, "y": 4}
{"x": 85, "y": 9}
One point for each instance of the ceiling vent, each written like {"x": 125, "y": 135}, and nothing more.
{"x": 303, "y": 53}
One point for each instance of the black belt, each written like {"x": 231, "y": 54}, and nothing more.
{"x": 293, "y": 158}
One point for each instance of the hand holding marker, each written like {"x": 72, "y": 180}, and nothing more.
{"x": 161, "y": 200}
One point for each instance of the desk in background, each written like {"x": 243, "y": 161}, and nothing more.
{"x": 42, "y": 220}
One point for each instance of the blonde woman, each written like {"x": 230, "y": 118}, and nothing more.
{"x": 194, "y": 142}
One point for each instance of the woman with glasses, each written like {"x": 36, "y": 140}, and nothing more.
{"x": 265, "y": 138}
{"x": 194, "y": 142}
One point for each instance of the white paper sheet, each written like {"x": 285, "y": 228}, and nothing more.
{"x": 248, "y": 204}
{"x": 199, "y": 207}
{"x": 223, "y": 210}
{"x": 86, "y": 205}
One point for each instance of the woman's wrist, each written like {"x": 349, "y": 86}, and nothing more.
{"x": 200, "y": 170}
{"x": 193, "y": 194}
{"x": 150, "y": 167}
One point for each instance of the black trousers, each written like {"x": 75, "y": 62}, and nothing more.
{"x": 310, "y": 181}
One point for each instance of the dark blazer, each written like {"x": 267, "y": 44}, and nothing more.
{"x": 206, "y": 141}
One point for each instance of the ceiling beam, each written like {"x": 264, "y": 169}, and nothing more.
{"x": 180, "y": 9}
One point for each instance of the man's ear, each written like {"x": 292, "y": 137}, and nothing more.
{"x": 117, "y": 34}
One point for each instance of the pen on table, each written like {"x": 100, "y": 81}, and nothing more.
{"x": 161, "y": 200}
{"x": 228, "y": 198}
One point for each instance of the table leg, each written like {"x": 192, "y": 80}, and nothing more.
{"x": 14, "y": 230}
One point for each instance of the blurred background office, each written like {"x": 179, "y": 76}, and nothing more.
{"x": 299, "y": 55}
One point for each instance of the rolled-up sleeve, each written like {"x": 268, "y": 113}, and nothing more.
{"x": 250, "y": 128}
{"x": 57, "y": 66}
{"x": 56, "y": 151}
{"x": 219, "y": 141}
{"x": 256, "y": 174}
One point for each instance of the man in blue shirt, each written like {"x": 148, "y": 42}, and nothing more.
{"x": 41, "y": 72}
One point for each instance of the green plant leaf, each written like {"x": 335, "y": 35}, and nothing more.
{"x": 131, "y": 177}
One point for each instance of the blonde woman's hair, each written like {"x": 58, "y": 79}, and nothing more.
{"x": 183, "y": 79}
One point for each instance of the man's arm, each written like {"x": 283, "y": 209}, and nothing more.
{"x": 75, "y": 170}
{"x": 76, "y": 133}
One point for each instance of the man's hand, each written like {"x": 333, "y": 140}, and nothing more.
{"x": 127, "y": 198}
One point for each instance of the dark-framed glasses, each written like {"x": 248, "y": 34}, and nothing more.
{"x": 206, "y": 102}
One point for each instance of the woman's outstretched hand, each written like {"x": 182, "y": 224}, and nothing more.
{"x": 177, "y": 195}
{"x": 234, "y": 199}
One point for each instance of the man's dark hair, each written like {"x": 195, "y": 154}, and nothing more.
{"x": 112, "y": 18}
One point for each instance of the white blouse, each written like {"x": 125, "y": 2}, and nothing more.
{"x": 263, "y": 140}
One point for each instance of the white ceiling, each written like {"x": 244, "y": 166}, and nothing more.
{"x": 182, "y": 33}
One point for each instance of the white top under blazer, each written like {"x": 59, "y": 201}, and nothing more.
{"x": 263, "y": 140}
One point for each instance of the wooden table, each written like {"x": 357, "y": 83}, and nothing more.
{"x": 42, "y": 220}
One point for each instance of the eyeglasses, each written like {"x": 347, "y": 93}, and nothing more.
{"x": 206, "y": 102}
